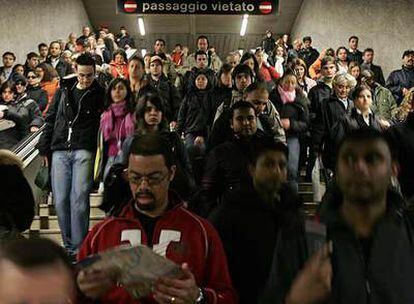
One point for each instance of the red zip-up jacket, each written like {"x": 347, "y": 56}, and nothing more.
{"x": 179, "y": 235}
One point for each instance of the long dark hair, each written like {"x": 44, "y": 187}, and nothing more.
{"x": 130, "y": 106}
{"x": 157, "y": 101}
{"x": 247, "y": 56}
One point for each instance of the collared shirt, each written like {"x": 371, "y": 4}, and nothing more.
{"x": 345, "y": 102}
{"x": 365, "y": 117}
{"x": 54, "y": 61}
{"x": 7, "y": 72}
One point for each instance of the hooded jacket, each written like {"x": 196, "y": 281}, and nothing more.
{"x": 250, "y": 230}
{"x": 196, "y": 242}
{"x": 386, "y": 276}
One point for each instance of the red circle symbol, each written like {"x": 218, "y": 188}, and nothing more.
{"x": 130, "y": 6}
{"x": 265, "y": 7}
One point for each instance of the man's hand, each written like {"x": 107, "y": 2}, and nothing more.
{"x": 94, "y": 284}
{"x": 1, "y": 114}
{"x": 405, "y": 91}
{"x": 34, "y": 129}
{"x": 173, "y": 125}
{"x": 199, "y": 141}
{"x": 177, "y": 291}
{"x": 313, "y": 283}
{"x": 384, "y": 124}
{"x": 285, "y": 123}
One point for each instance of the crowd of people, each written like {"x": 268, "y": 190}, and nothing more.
{"x": 200, "y": 160}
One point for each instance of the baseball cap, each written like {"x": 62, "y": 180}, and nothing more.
{"x": 156, "y": 58}
{"x": 408, "y": 52}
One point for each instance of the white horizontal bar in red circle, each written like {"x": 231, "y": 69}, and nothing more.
{"x": 130, "y": 5}
{"x": 265, "y": 7}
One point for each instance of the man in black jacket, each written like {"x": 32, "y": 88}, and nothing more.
{"x": 368, "y": 58}
{"x": 167, "y": 91}
{"x": 62, "y": 67}
{"x": 371, "y": 256}
{"x": 328, "y": 116}
{"x": 401, "y": 81}
{"x": 308, "y": 53}
{"x": 353, "y": 54}
{"x": 253, "y": 222}
{"x": 70, "y": 137}
{"x": 401, "y": 137}
{"x": 317, "y": 97}
{"x": 227, "y": 164}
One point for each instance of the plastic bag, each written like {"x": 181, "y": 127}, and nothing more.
{"x": 42, "y": 179}
{"x": 318, "y": 186}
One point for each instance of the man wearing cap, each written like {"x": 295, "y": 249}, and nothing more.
{"x": 167, "y": 91}
{"x": 167, "y": 65}
{"x": 400, "y": 81}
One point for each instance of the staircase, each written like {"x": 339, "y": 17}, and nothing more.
{"x": 45, "y": 223}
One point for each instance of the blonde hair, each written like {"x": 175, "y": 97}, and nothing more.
{"x": 344, "y": 78}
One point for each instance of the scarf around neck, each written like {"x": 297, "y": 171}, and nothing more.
{"x": 117, "y": 112}
{"x": 286, "y": 96}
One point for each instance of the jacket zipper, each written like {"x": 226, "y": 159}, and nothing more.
{"x": 70, "y": 130}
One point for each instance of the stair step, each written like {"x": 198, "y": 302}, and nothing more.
{"x": 51, "y": 222}
{"x": 52, "y": 234}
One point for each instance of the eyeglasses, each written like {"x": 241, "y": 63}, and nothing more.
{"x": 31, "y": 77}
{"x": 152, "y": 179}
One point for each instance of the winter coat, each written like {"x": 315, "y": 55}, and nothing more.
{"x": 71, "y": 126}
{"x": 13, "y": 126}
{"x": 399, "y": 79}
{"x": 39, "y": 95}
{"x": 62, "y": 67}
{"x": 385, "y": 276}
{"x": 226, "y": 170}
{"x": 316, "y": 97}
{"x": 297, "y": 112}
{"x": 250, "y": 230}
{"x": 169, "y": 94}
{"x": 34, "y": 117}
{"x": 378, "y": 74}
{"x": 401, "y": 138}
{"x": 195, "y": 115}
{"x": 308, "y": 55}
{"x": 353, "y": 121}
{"x": 323, "y": 139}
{"x": 269, "y": 44}
{"x": 354, "y": 56}
{"x": 383, "y": 103}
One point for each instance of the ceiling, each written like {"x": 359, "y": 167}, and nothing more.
{"x": 103, "y": 12}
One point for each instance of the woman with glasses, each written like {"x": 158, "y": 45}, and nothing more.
{"x": 34, "y": 91}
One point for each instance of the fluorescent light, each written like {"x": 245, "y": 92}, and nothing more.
{"x": 244, "y": 25}
{"x": 141, "y": 26}
{"x": 143, "y": 52}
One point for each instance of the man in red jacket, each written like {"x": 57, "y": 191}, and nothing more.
{"x": 158, "y": 219}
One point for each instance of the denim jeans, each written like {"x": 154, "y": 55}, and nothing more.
{"x": 194, "y": 151}
{"x": 293, "y": 162}
{"x": 72, "y": 179}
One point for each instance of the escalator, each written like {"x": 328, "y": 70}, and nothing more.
{"x": 26, "y": 150}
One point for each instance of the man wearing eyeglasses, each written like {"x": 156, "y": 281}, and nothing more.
{"x": 158, "y": 219}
